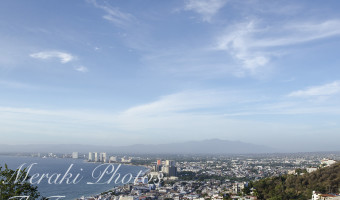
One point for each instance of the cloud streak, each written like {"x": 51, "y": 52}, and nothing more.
{"x": 179, "y": 102}
{"x": 46, "y": 55}
{"x": 183, "y": 114}
{"x": 256, "y": 42}
{"x": 322, "y": 90}
{"x": 82, "y": 69}
{"x": 206, "y": 8}
{"x": 63, "y": 58}
{"x": 114, "y": 15}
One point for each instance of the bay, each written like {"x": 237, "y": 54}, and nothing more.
{"x": 79, "y": 166}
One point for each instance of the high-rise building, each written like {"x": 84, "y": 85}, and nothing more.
{"x": 103, "y": 157}
{"x": 165, "y": 170}
{"x": 96, "y": 157}
{"x": 172, "y": 171}
{"x": 100, "y": 157}
{"x": 169, "y": 169}
{"x": 91, "y": 156}
{"x": 157, "y": 168}
{"x": 75, "y": 155}
{"x": 170, "y": 163}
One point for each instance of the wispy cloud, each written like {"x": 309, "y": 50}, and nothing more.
{"x": 114, "y": 15}
{"x": 180, "y": 102}
{"x": 300, "y": 32}
{"x": 81, "y": 69}
{"x": 237, "y": 42}
{"x": 62, "y": 56}
{"x": 256, "y": 42}
{"x": 134, "y": 31}
{"x": 316, "y": 91}
{"x": 184, "y": 114}
{"x": 206, "y": 8}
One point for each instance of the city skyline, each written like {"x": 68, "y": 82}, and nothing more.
{"x": 155, "y": 72}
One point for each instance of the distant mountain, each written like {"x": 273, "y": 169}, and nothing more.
{"x": 213, "y": 146}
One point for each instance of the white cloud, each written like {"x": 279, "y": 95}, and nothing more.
{"x": 81, "y": 69}
{"x": 255, "y": 43}
{"x": 114, "y": 15}
{"x": 62, "y": 56}
{"x": 323, "y": 90}
{"x": 179, "y": 102}
{"x": 206, "y": 8}
{"x": 300, "y": 32}
{"x": 238, "y": 41}
{"x": 130, "y": 129}
{"x": 183, "y": 115}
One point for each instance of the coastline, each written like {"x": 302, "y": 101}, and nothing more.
{"x": 60, "y": 165}
{"x": 144, "y": 173}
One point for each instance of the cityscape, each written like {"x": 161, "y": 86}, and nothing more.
{"x": 169, "y": 100}
{"x": 199, "y": 177}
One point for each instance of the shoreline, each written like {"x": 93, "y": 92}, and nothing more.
{"x": 94, "y": 192}
{"x": 116, "y": 187}
{"x": 148, "y": 170}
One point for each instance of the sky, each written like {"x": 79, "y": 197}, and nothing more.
{"x": 124, "y": 72}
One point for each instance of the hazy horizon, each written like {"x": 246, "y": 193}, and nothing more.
{"x": 226, "y": 146}
{"x": 115, "y": 72}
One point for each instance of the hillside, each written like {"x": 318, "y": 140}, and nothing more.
{"x": 324, "y": 180}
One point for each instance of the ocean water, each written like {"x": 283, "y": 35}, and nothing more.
{"x": 88, "y": 172}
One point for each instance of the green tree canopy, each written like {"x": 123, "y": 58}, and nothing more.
{"x": 12, "y": 184}
{"x": 324, "y": 180}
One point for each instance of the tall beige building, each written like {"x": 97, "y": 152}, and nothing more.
{"x": 103, "y": 157}
{"x": 169, "y": 169}
{"x": 170, "y": 163}
{"x": 96, "y": 157}
{"x": 91, "y": 158}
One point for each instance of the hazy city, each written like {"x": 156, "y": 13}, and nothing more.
{"x": 169, "y": 100}
{"x": 199, "y": 176}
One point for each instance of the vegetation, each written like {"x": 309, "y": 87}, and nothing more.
{"x": 10, "y": 186}
{"x": 324, "y": 180}
{"x": 142, "y": 162}
{"x": 187, "y": 175}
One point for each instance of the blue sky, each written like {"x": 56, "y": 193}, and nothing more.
{"x": 127, "y": 72}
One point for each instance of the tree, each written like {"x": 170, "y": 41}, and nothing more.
{"x": 13, "y": 183}
{"x": 247, "y": 189}
{"x": 324, "y": 180}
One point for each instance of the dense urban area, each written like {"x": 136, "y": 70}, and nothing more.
{"x": 212, "y": 176}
